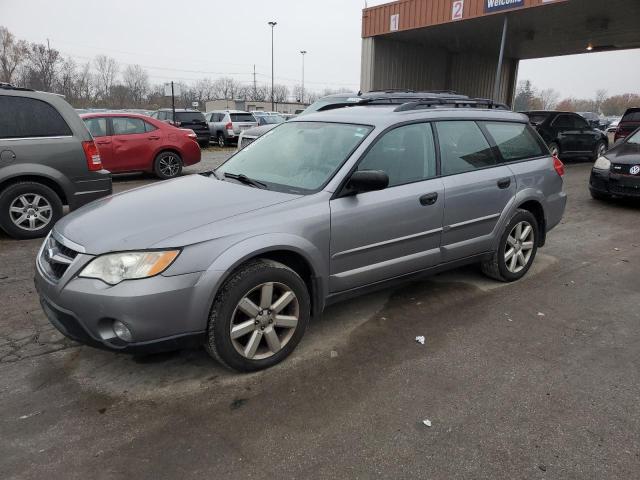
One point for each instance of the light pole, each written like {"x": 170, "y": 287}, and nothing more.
{"x": 303, "y": 53}
{"x": 273, "y": 104}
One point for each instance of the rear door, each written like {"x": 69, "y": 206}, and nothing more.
{"x": 477, "y": 189}
{"x": 588, "y": 136}
{"x": 384, "y": 234}
{"x": 99, "y": 129}
{"x": 132, "y": 144}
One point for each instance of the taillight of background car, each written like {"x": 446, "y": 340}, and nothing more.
{"x": 558, "y": 165}
{"x": 190, "y": 133}
{"x": 92, "y": 155}
{"x": 229, "y": 128}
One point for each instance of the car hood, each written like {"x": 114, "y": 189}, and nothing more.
{"x": 258, "y": 131}
{"x": 143, "y": 217}
{"x": 625, "y": 153}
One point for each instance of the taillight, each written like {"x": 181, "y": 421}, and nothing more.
{"x": 558, "y": 165}
{"x": 92, "y": 155}
{"x": 229, "y": 126}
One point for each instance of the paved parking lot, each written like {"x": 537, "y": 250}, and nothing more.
{"x": 537, "y": 379}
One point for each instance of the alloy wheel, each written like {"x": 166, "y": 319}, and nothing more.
{"x": 264, "y": 320}
{"x": 519, "y": 248}
{"x": 169, "y": 165}
{"x": 30, "y": 211}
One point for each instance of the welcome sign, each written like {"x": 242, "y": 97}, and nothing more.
{"x": 491, "y": 6}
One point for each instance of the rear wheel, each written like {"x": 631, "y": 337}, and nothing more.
{"x": 29, "y": 209}
{"x": 221, "y": 140}
{"x": 258, "y": 317}
{"x": 517, "y": 250}
{"x": 168, "y": 165}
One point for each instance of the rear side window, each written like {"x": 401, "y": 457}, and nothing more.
{"x": 406, "y": 154}
{"x": 28, "y": 117}
{"x": 242, "y": 117}
{"x": 515, "y": 141}
{"x": 127, "y": 125}
{"x": 148, "y": 127}
{"x": 570, "y": 122}
{"x": 97, "y": 126}
{"x": 463, "y": 147}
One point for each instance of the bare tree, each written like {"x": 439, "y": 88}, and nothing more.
{"x": 601, "y": 96}
{"x": 42, "y": 67}
{"x": 107, "y": 69}
{"x": 136, "y": 79}
{"x": 13, "y": 53}
{"x": 280, "y": 93}
{"x": 204, "y": 90}
{"x": 225, "y": 88}
{"x": 549, "y": 98}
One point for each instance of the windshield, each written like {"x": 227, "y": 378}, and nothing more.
{"x": 297, "y": 156}
{"x": 537, "y": 118}
{"x": 272, "y": 119}
{"x": 635, "y": 138}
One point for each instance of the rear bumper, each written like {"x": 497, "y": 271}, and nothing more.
{"x": 88, "y": 190}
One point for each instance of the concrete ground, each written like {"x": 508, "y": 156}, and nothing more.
{"x": 537, "y": 379}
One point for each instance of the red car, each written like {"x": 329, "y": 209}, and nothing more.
{"x": 628, "y": 124}
{"x": 129, "y": 143}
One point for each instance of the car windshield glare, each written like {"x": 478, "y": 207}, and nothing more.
{"x": 635, "y": 138}
{"x": 297, "y": 156}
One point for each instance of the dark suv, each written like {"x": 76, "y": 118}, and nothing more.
{"x": 568, "y": 134}
{"x": 187, "y": 118}
{"x": 47, "y": 159}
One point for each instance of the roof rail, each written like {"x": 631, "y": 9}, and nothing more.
{"x": 454, "y": 102}
{"x": 8, "y": 86}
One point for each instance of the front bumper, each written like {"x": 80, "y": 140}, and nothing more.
{"x": 162, "y": 312}
{"x": 88, "y": 190}
{"x": 609, "y": 183}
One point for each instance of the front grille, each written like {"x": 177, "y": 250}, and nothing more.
{"x": 56, "y": 258}
{"x": 246, "y": 141}
{"x": 625, "y": 169}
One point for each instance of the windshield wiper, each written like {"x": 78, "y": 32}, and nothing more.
{"x": 241, "y": 177}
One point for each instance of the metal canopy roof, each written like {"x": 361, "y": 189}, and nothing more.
{"x": 554, "y": 29}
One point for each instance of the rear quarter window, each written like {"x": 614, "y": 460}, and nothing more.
{"x": 515, "y": 141}
{"x": 23, "y": 117}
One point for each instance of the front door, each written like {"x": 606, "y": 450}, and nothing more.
{"x": 567, "y": 131}
{"x": 131, "y": 144}
{"x": 477, "y": 189}
{"x": 385, "y": 234}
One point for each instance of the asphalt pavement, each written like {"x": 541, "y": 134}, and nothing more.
{"x": 536, "y": 379}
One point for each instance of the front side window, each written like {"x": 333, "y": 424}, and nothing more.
{"x": 406, "y": 154}
{"x": 97, "y": 126}
{"x": 297, "y": 156}
{"x": 127, "y": 125}
{"x": 515, "y": 141}
{"x": 635, "y": 138}
{"x": 463, "y": 147}
{"x": 24, "y": 117}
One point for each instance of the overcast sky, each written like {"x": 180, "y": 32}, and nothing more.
{"x": 192, "y": 39}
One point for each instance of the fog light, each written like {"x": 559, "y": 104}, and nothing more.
{"x": 121, "y": 331}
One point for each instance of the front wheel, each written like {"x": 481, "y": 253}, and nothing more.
{"x": 168, "y": 165}
{"x": 517, "y": 250}
{"x": 258, "y": 317}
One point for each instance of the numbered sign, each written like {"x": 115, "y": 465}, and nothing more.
{"x": 395, "y": 22}
{"x": 457, "y": 10}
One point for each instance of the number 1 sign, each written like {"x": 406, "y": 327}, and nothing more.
{"x": 457, "y": 9}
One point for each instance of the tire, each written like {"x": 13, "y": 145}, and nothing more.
{"x": 499, "y": 267}
{"x": 600, "y": 150}
{"x": 222, "y": 142}
{"x": 29, "y": 210}
{"x": 554, "y": 148}
{"x": 248, "y": 282}
{"x": 600, "y": 196}
{"x": 167, "y": 165}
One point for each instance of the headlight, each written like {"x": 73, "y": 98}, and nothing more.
{"x": 602, "y": 163}
{"x": 113, "y": 268}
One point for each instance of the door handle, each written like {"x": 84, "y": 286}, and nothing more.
{"x": 154, "y": 138}
{"x": 429, "y": 199}
{"x": 102, "y": 143}
{"x": 504, "y": 183}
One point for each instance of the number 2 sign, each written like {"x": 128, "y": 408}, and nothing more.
{"x": 457, "y": 9}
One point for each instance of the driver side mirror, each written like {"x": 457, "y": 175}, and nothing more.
{"x": 362, "y": 181}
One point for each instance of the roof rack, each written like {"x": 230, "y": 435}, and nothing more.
{"x": 454, "y": 102}
{"x": 8, "y": 86}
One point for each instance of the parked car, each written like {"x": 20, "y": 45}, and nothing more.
{"x": 47, "y": 159}
{"x": 594, "y": 120}
{"x": 629, "y": 122}
{"x": 568, "y": 135}
{"x": 617, "y": 173}
{"x": 226, "y": 126}
{"x": 130, "y": 142}
{"x": 186, "y": 118}
{"x": 339, "y": 100}
{"x": 241, "y": 257}
{"x": 613, "y": 124}
{"x": 268, "y": 118}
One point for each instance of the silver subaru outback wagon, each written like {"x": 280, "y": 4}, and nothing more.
{"x": 243, "y": 256}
